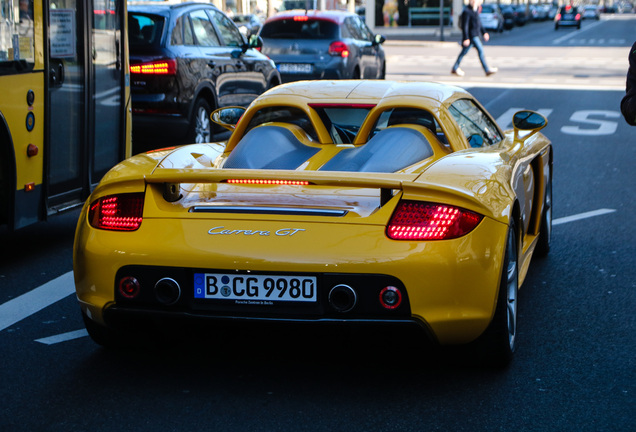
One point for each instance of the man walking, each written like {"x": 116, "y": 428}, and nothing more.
{"x": 472, "y": 33}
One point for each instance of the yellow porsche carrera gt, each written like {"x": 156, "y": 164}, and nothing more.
{"x": 332, "y": 201}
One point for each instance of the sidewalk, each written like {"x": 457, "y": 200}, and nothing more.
{"x": 419, "y": 35}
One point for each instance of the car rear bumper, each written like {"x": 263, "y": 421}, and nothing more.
{"x": 448, "y": 286}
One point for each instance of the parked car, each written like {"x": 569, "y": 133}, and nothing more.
{"x": 359, "y": 202}
{"x": 491, "y": 18}
{"x": 509, "y": 17}
{"x": 521, "y": 18}
{"x": 248, "y": 24}
{"x": 185, "y": 61}
{"x": 591, "y": 12}
{"x": 323, "y": 45}
{"x": 568, "y": 16}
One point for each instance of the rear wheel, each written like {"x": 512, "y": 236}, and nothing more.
{"x": 200, "y": 130}
{"x": 497, "y": 345}
{"x": 102, "y": 335}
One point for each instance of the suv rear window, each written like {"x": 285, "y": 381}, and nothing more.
{"x": 144, "y": 30}
{"x": 299, "y": 29}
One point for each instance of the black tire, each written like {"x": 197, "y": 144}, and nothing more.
{"x": 104, "y": 336}
{"x": 545, "y": 231}
{"x": 356, "y": 73}
{"x": 383, "y": 71}
{"x": 497, "y": 344}
{"x": 200, "y": 129}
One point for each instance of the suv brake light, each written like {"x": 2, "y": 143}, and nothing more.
{"x": 160, "y": 67}
{"x": 339, "y": 48}
{"x": 123, "y": 212}
{"x": 413, "y": 220}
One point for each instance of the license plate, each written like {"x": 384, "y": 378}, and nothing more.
{"x": 254, "y": 289}
{"x": 295, "y": 68}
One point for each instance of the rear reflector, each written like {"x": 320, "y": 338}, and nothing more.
{"x": 414, "y": 220}
{"x": 117, "y": 212}
{"x": 161, "y": 67}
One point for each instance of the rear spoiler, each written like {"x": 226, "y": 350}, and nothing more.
{"x": 171, "y": 178}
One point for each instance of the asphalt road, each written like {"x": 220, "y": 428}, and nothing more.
{"x": 574, "y": 371}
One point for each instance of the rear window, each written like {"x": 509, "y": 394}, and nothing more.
{"x": 298, "y": 28}
{"x": 487, "y": 9}
{"x": 144, "y": 30}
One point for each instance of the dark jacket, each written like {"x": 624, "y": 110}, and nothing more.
{"x": 471, "y": 24}
{"x": 628, "y": 104}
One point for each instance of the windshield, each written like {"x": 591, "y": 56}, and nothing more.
{"x": 293, "y": 28}
{"x": 342, "y": 123}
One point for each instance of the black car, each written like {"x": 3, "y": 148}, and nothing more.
{"x": 323, "y": 45}
{"x": 185, "y": 61}
{"x": 567, "y": 16}
{"x": 509, "y": 16}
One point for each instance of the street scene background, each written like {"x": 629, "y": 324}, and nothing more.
{"x": 575, "y": 368}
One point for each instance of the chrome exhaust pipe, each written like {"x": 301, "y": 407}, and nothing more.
{"x": 342, "y": 298}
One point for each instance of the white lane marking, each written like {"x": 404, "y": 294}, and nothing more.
{"x": 583, "y": 29}
{"x": 27, "y": 304}
{"x": 63, "y": 337}
{"x": 580, "y": 216}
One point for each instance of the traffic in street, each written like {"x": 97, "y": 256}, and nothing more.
{"x": 575, "y": 366}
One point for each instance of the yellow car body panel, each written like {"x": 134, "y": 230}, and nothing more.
{"x": 195, "y": 221}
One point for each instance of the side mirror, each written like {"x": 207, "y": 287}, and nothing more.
{"x": 255, "y": 41}
{"x": 227, "y": 117}
{"x": 378, "y": 39}
{"x": 529, "y": 121}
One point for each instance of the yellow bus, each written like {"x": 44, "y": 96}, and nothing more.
{"x": 64, "y": 103}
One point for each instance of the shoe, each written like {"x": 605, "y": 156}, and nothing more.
{"x": 492, "y": 71}
{"x": 458, "y": 72}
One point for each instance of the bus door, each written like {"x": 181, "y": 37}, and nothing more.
{"x": 85, "y": 75}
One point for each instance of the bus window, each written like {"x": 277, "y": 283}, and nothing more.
{"x": 16, "y": 36}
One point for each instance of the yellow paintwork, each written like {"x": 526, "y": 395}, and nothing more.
{"x": 30, "y": 170}
{"x": 452, "y": 284}
{"x": 14, "y": 108}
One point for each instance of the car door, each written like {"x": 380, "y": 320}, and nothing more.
{"x": 220, "y": 68}
{"x": 481, "y": 131}
{"x": 370, "y": 61}
{"x": 249, "y": 80}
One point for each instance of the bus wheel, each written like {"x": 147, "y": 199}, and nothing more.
{"x": 200, "y": 130}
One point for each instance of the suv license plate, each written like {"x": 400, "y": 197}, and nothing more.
{"x": 295, "y": 68}
{"x": 250, "y": 287}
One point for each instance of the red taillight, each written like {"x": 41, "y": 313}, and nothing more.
{"x": 117, "y": 212}
{"x": 414, "y": 220}
{"x": 301, "y": 18}
{"x": 577, "y": 17}
{"x": 268, "y": 182}
{"x": 160, "y": 67}
{"x": 558, "y": 17}
{"x": 339, "y": 48}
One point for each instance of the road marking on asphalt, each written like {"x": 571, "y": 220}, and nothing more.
{"x": 577, "y": 34}
{"x": 580, "y": 216}
{"x": 19, "y": 308}
{"x": 63, "y": 337}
